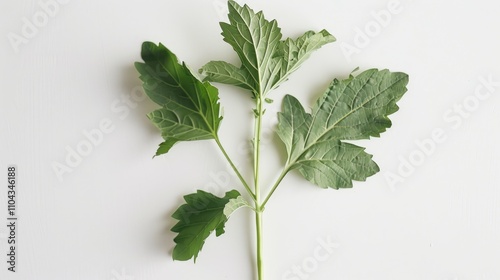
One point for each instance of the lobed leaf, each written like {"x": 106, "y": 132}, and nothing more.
{"x": 358, "y": 107}
{"x": 266, "y": 60}
{"x": 354, "y": 108}
{"x": 292, "y": 53}
{"x": 198, "y": 218}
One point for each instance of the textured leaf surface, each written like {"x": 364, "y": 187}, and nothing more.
{"x": 358, "y": 107}
{"x": 190, "y": 108}
{"x": 292, "y": 53}
{"x": 266, "y": 60}
{"x": 235, "y": 204}
{"x": 202, "y": 214}
{"x": 226, "y": 73}
{"x": 354, "y": 108}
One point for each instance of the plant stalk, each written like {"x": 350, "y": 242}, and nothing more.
{"x": 258, "y": 208}
{"x": 258, "y": 223}
{"x": 257, "y": 139}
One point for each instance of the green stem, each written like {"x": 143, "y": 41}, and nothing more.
{"x": 258, "y": 223}
{"x": 257, "y": 136}
{"x": 258, "y": 208}
{"x": 243, "y": 181}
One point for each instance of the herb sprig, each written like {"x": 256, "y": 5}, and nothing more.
{"x": 349, "y": 109}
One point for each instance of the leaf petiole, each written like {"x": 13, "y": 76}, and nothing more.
{"x": 233, "y": 166}
{"x": 275, "y": 186}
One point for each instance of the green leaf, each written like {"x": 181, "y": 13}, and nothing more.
{"x": 335, "y": 164}
{"x": 357, "y": 107}
{"x": 255, "y": 40}
{"x": 198, "y": 218}
{"x": 293, "y": 126}
{"x": 293, "y": 53}
{"x": 266, "y": 60}
{"x": 190, "y": 108}
{"x": 226, "y": 73}
{"x": 165, "y": 146}
{"x": 354, "y": 108}
{"x": 235, "y": 204}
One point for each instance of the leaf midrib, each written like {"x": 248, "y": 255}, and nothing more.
{"x": 295, "y": 66}
{"x": 252, "y": 41}
{"x": 196, "y": 104}
{"x": 232, "y": 77}
{"x": 189, "y": 246}
{"x": 346, "y": 115}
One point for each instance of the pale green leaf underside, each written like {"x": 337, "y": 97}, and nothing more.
{"x": 190, "y": 108}
{"x": 226, "y": 73}
{"x": 235, "y": 204}
{"x": 354, "y": 108}
{"x": 198, "y": 218}
{"x": 292, "y": 53}
{"x": 357, "y": 107}
{"x": 266, "y": 60}
{"x": 335, "y": 164}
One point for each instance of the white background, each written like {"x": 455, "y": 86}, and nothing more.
{"x": 109, "y": 218}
